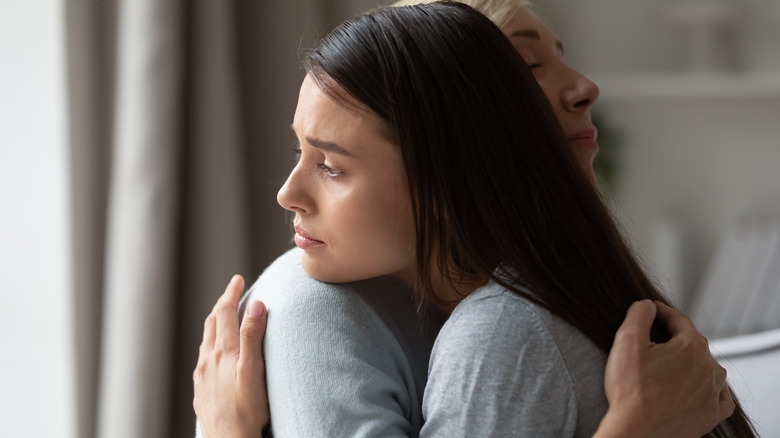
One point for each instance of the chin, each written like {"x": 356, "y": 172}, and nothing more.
{"x": 325, "y": 272}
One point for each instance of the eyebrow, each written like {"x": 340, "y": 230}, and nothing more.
{"x": 324, "y": 145}
{"x": 328, "y": 146}
{"x": 534, "y": 35}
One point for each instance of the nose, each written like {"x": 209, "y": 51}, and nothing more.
{"x": 580, "y": 92}
{"x": 294, "y": 194}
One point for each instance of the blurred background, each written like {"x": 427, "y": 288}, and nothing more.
{"x": 144, "y": 142}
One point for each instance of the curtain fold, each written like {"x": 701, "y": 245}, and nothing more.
{"x": 143, "y": 211}
{"x": 179, "y": 117}
{"x": 215, "y": 224}
{"x": 89, "y": 42}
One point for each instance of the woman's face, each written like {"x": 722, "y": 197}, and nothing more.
{"x": 570, "y": 93}
{"x": 353, "y": 215}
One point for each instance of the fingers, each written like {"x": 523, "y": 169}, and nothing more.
{"x": 252, "y": 334}
{"x": 720, "y": 375}
{"x": 725, "y": 400}
{"x": 727, "y": 405}
{"x": 209, "y": 332}
{"x": 225, "y": 310}
{"x": 253, "y": 327}
{"x": 676, "y": 321}
{"x": 639, "y": 320}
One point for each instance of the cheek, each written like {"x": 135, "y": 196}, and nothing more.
{"x": 377, "y": 234}
{"x": 385, "y": 220}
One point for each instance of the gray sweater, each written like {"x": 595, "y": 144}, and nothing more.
{"x": 503, "y": 366}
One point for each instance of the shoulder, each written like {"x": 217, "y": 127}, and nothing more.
{"x": 309, "y": 311}
{"x": 493, "y": 316}
{"x": 341, "y": 359}
{"x": 497, "y": 324}
{"x": 516, "y": 358}
{"x": 289, "y": 292}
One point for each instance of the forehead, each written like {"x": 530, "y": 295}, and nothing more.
{"x": 524, "y": 21}
{"x": 318, "y": 113}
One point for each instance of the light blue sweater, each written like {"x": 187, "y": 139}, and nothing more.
{"x": 342, "y": 360}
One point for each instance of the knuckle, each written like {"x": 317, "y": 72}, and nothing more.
{"x": 218, "y": 355}
{"x": 624, "y": 335}
{"x": 223, "y": 355}
{"x": 720, "y": 372}
{"x": 250, "y": 331}
{"x": 210, "y": 320}
{"x": 196, "y": 405}
{"x": 198, "y": 373}
{"x": 695, "y": 345}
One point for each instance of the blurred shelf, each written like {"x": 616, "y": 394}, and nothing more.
{"x": 687, "y": 86}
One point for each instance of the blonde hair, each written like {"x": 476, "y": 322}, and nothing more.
{"x": 499, "y": 11}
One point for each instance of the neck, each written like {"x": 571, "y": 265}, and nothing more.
{"x": 451, "y": 294}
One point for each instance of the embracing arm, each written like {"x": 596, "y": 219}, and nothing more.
{"x": 674, "y": 389}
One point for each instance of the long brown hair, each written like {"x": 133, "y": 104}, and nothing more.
{"x": 491, "y": 176}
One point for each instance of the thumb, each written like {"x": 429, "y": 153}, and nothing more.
{"x": 253, "y": 332}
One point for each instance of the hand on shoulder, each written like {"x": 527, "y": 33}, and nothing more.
{"x": 229, "y": 380}
{"x": 674, "y": 389}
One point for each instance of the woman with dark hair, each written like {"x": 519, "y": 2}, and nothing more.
{"x": 429, "y": 154}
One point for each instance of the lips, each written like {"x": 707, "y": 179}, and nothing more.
{"x": 585, "y": 138}
{"x": 303, "y": 240}
{"x": 585, "y": 134}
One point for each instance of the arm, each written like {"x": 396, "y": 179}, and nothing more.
{"x": 674, "y": 389}
{"x": 341, "y": 360}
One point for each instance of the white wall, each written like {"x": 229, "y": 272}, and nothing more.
{"x": 36, "y": 374}
{"x": 705, "y": 163}
{"x": 703, "y": 159}
{"x": 610, "y": 36}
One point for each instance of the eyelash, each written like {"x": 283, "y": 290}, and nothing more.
{"x": 331, "y": 172}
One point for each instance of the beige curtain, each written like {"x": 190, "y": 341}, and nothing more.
{"x": 179, "y": 134}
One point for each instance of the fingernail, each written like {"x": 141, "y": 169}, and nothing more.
{"x": 235, "y": 277}
{"x": 256, "y": 308}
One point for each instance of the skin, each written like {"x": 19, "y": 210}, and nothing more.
{"x": 353, "y": 214}
{"x": 570, "y": 93}
{"x": 229, "y": 363}
{"x": 684, "y": 390}
{"x": 670, "y": 389}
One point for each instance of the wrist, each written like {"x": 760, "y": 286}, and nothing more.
{"x": 616, "y": 424}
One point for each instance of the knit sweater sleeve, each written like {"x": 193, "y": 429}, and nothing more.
{"x": 341, "y": 360}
